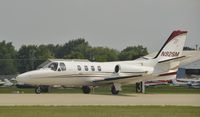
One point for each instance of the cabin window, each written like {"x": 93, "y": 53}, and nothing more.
{"x": 62, "y": 66}
{"x": 99, "y": 68}
{"x": 79, "y": 67}
{"x": 53, "y": 66}
{"x": 92, "y": 68}
{"x": 86, "y": 68}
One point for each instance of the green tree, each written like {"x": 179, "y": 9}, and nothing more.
{"x": 133, "y": 52}
{"x": 7, "y": 58}
{"x": 58, "y": 51}
{"x": 75, "y": 48}
{"x": 103, "y": 54}
{"x": 26, "y": 58}
{"x": 42, "y": 54}
{"x": 74, "y": 55}
{"x": 31, "y": 56}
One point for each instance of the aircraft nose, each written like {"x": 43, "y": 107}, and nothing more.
{"x": 21, "y": 78}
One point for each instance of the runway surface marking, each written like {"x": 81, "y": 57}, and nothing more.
{"x": 91, "y": 99}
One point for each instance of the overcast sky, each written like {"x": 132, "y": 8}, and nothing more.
{"x": 111, "y": 23}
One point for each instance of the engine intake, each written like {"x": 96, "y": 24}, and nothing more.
{"x": 117, "y": 69}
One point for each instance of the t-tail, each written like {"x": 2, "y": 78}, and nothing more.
{"x": 170, "y": 54}
{"x": 173, "y": 47}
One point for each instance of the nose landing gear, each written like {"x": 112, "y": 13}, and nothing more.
{"x": 41, "y": 89}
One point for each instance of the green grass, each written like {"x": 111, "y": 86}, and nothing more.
{"x": 162, "y": 89}
{"x": 99, "y": 111}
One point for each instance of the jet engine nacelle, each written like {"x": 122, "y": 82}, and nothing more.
{"x": 132, "y": 69}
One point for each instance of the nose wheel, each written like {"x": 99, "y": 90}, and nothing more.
{"x": 38, "y": 90}
{"x": 41, "y": 89}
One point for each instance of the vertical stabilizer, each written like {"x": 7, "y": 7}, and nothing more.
{"x": 170, "y": 54}
{"x": 173, "y": 47}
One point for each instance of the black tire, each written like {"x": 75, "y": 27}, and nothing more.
{"x": 86, "y": 89}
{"x": 41, "y": 89}
{"x": 38, "y": 90}
{"x": 113, "y": 90}
{"x": 138, "y": 87}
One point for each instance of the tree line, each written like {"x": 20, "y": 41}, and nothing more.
{"x": 28, "y": 57}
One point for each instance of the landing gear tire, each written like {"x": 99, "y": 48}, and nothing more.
{"x": 113, "y": 90}
{"x": 41, "y": 89}
{"x": 139, "y": 87}
{"x": 38, "y": 90}
{"x": 86, "y": 89}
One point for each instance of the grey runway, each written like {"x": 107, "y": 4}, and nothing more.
{"x": 91, "y": 99}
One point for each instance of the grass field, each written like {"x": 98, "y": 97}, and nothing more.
{"x": 99, "y": 111}
{"x": 162, "y": 89}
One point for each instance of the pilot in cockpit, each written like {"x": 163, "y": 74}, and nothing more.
{"x": 53, "y": 66}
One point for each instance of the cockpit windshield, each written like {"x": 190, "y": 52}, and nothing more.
{"x": 53, "y": 66}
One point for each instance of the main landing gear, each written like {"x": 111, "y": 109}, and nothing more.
{"x": 140, "y": 87}
{"x": 86, "y": 89}
{"x": 41, "y": 89}
{"x": 115, "y": 88}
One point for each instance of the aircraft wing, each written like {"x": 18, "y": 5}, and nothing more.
{"x": 114, "y": 78}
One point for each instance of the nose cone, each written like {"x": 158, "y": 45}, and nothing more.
{"x": 22, "y": 78}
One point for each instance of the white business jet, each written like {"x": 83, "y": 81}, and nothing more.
{"x": 86, "y": 74}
